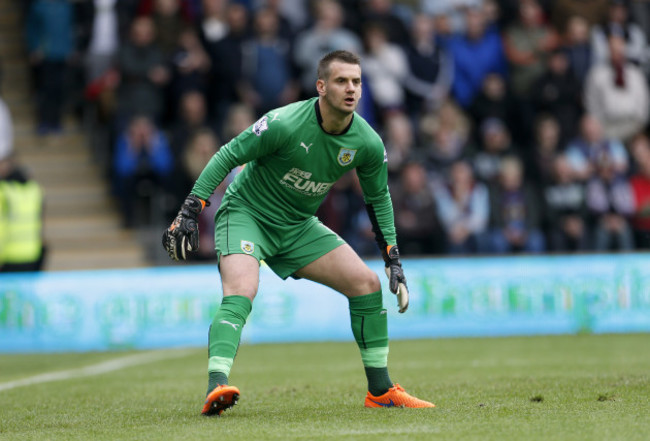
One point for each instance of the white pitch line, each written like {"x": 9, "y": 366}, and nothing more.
{"x": 97, "y": 369}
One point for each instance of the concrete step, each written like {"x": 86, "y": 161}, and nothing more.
{"x": 63, "y": 260}
{"x": 33, "y": 144}
{"x": 93, "y": 189}
{"x": 76, "y": 207}
{"x": 87, "y": 225}
{"x": 14, "y": 92}
{"x": 20, "y": 108}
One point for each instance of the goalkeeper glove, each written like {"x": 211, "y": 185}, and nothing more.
{"x": 183, "y": 234}
{"x": 396, "y": 278}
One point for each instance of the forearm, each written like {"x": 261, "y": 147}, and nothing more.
{"x": 217, "y": 169}
{"x": 383, "y": 224}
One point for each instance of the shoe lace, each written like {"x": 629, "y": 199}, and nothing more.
{"x": 397, "y": 387}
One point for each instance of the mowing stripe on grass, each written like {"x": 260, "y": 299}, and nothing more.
{"x": 99, "y": 368}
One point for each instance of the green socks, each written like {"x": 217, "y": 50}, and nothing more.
{"x": 370, "y": 329}
{"x": 224, "y": 336}
{"x": 369, "y": 326}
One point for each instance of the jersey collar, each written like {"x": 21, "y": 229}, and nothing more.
{"x": 319, "y": 117}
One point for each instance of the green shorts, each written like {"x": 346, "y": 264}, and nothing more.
{"x": 284, "y": 247}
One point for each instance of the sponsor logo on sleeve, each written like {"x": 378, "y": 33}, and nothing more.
{"x": 261, "y": 125}
{"x": 345, "y": 156}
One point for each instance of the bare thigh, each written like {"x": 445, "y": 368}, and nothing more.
{"x": 240, "y": 275}
{"x": 342, "y": 270}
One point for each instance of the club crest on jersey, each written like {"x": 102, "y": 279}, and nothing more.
{"x": 261, "y": 125}
{"x": 247, "y": 247}
{"x": 346, "y": 156}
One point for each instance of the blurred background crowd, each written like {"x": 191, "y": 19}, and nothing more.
{"x": 510, "y": 125}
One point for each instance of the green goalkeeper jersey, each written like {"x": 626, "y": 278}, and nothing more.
{"x": 292, "y": 163}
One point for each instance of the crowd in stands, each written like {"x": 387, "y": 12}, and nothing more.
{"x": 510, "y": 125}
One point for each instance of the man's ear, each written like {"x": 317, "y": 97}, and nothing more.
{"x": 320, "y": 87}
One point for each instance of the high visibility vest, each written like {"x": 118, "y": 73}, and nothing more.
{"x": 20, "y": 222}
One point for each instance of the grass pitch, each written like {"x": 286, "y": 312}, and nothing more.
{"x": 535, "y": 388}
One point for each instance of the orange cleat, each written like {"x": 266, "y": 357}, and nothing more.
{"x": 221, "y": 398}
{"x": 395, "y": 397}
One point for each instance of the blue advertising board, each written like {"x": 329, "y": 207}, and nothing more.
{"x": 450, "y": 297}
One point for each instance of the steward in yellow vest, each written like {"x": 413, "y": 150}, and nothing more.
{"x": 21, "y": 205}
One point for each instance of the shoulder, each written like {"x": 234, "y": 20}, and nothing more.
{"x": 365, "y": 130}
{"x": 283, "y": 120}
{"x": 372, "y": 145}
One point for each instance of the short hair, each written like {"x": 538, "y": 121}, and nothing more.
{"x": 340, "y": 55}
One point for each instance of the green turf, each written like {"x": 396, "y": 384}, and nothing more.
{"x": 537, "y": 388}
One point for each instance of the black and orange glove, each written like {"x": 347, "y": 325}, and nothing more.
{"x": 183, "y": 234}
{"x": 396, "y": 278}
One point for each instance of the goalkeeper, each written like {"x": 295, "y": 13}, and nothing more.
{"x": 294, "y": 155}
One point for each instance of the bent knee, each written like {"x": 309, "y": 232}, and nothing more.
{"x": 367, "y": 284}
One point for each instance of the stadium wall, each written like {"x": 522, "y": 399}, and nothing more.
{"x": 173, "y": 306}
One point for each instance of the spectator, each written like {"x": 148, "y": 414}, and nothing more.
{"x": 578, "y": 48}
{"x": 239, "y": 118}
{"x": 285, "y": 11}
{"x": 494, "y": 100}
{"x": 430, "y": 69}
{"x": 565, "y": 209}
{"x": 101, "y": 25}
{"x": 213, "y": 24}
{"x": 143, "y": 73}
{"x": 445, "y": 136}
{"x": 527, "y": 44}
{"x": 50, "y": 43}
{"x": 267, "y": 70}
{"x": 640, "y": 182}
{"x": 541, "y": 158}
{"x": 610, "y": 202}
{"x": 399, "y": 140}
{"x": 557, "y": 93}
{"x": 616, "y": 93}
{"x": 618, "y": 23}
{"x": 21, "y": 226}
{"x": 476, "y": 54}
{"x": 585, "y": 152}
{"x": 495, "y": 145}
{"x": 192, "y": 117}
{"x": 450, "y": 11}
{"x": 463, "y": 209}
{"x": 325, "y": 35}
{"x": 515, "y": 215}
{"x": 190, "y": 65}
{"x": 415, "y": 212}
{"x": 385, "y": 66}
{"x": 592, "y": 11}
{"x": 226, "y": 60}
{"x": 142, "y": 165}
{"x": 169, "y": 21}
{"x": 383, "y": 13}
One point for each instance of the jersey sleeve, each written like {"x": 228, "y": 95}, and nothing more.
{"x": 373, "y": 177}
{"x": 257, "y": 141}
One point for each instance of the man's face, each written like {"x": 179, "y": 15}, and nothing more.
{"x": 342, "y": 90}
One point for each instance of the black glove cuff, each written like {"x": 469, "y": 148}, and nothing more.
{"x": 192, "y": 206}
{"x": 391, "y": 256}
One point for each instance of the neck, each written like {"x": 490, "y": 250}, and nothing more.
{"x": 333, "y": 121}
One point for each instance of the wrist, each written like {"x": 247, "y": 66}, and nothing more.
{"x": 391, "y": 255}
{"x": 193, "y": 205}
